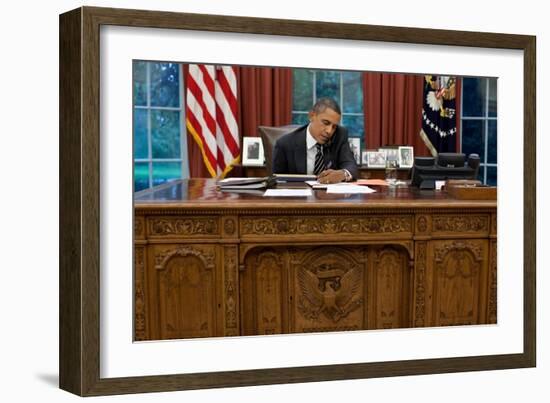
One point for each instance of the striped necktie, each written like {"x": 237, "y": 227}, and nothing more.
{"x": 319, "y": 160}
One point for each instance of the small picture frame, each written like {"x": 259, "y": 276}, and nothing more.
{"x": 253, "y": 151}
{"x": 406, "y": 157}
{"x": 355, "y": 146}
{"x": 364, "y": 158}
{"x": 376, "y": 158}
{"x": 392, "y": 153}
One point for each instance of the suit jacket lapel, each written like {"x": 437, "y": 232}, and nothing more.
{"x": 300, "y": 152}
{"x": 330, "y": 157}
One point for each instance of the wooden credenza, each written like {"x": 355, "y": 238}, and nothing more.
{"x": 211, "y": 263}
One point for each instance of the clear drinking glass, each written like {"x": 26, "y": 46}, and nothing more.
{"x": 391, "y": 172}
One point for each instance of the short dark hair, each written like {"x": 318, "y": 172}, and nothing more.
{"x": 326, "y": 103}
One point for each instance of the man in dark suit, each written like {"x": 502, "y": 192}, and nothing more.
{"x": 320, "y": 147}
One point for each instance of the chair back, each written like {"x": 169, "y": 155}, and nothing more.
{"x": 269, "y": 135}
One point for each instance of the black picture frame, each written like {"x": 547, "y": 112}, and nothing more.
{"x": 79, "y": 200}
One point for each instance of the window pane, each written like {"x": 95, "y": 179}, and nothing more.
{"x": 302, "y": 96}
{"x": 165, "y": 134}
{"x": 481, "y": 173}
{"x": 354, "y": 124}
{"x": 474, "y": 94}
{"x": 141, "y": 176}
{"x": 328, "y": 85}
{"x": 140, "y": 83}
{"x": 165, "y": 84}
{"x": 492, "y": 142}
{"x": 492, "y": 176}
{"x": 353, "y": 93}
{"x": 141, "y": 150}
{"x": 472, "y": 138}
{"x": 164, "y": 171}
{"x": 492, "y": 97}
{"x": 299, "y": 118}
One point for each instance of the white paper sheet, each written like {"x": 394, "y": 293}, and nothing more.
{"x": 345, "y": 188}
{"x": 288, "y": 192}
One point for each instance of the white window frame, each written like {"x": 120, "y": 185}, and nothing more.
{"x": 183, "y": 160}
{"x": 342, "y": 102}
{"x": 486, "y": 119}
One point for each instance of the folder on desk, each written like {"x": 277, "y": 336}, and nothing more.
{"x": 294, "y": 177}
{"x": 246, "y": 183}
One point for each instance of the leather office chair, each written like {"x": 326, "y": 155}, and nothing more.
{"x": 269, "y": 135}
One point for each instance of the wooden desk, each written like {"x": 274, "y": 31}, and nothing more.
{"x": 212, "y": 263}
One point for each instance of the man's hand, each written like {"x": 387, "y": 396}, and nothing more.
{"x": 331, "y": 176}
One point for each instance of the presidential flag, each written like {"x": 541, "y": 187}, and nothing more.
{"x": 439, "y": 114}
{"x": 211, "y": 115}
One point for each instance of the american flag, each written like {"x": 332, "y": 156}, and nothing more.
{"x": 211, "y": 114}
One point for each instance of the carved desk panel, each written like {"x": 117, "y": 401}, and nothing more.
{"x": 210, "y": 263}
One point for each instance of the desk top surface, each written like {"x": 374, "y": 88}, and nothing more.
{"x": 203, "y": 193}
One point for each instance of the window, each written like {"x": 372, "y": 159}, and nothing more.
{"x": 479, "y": 124}
{"x": 343, "y": 86}
{"x": 160, "y": 147}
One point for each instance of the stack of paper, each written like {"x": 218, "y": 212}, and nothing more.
{"x": 347, "y": 188}
{"x": 288, "y": 192}
{"x": 342, "y": 187}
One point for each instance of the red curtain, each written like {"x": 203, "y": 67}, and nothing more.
{"x": 393, "y": 110}
{"x": 265, "y": 98}
{"x": 264, "y": 95}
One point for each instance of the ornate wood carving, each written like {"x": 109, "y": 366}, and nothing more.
{"x": 323, "y": 225}
{"x": 140, "y": 324}
{"x": 162, "y": 258}
{"x": 422, "y": 224}
{"x": 329, "y": 289}
{"x": 390, "y": 288}
{"x": 458, "y": 267}
{"x": 179, "y": 226}
{"x": 492, "y": 309}
{"x": 139, "y": 227}
{"x": 420, "y": 285}
{"x": 461, "y": 223}
{"x": 269, "y": 276}
{"x": 229, "y": 226}
{"x": 185, "y": 280}
{"x": 231, "y": 297}
{"x": 458, "y": 248}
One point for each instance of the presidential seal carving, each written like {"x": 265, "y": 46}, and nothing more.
{"x": 329, "y": 289}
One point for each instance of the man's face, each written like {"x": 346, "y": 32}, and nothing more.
{"x": 323, "y": 125}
